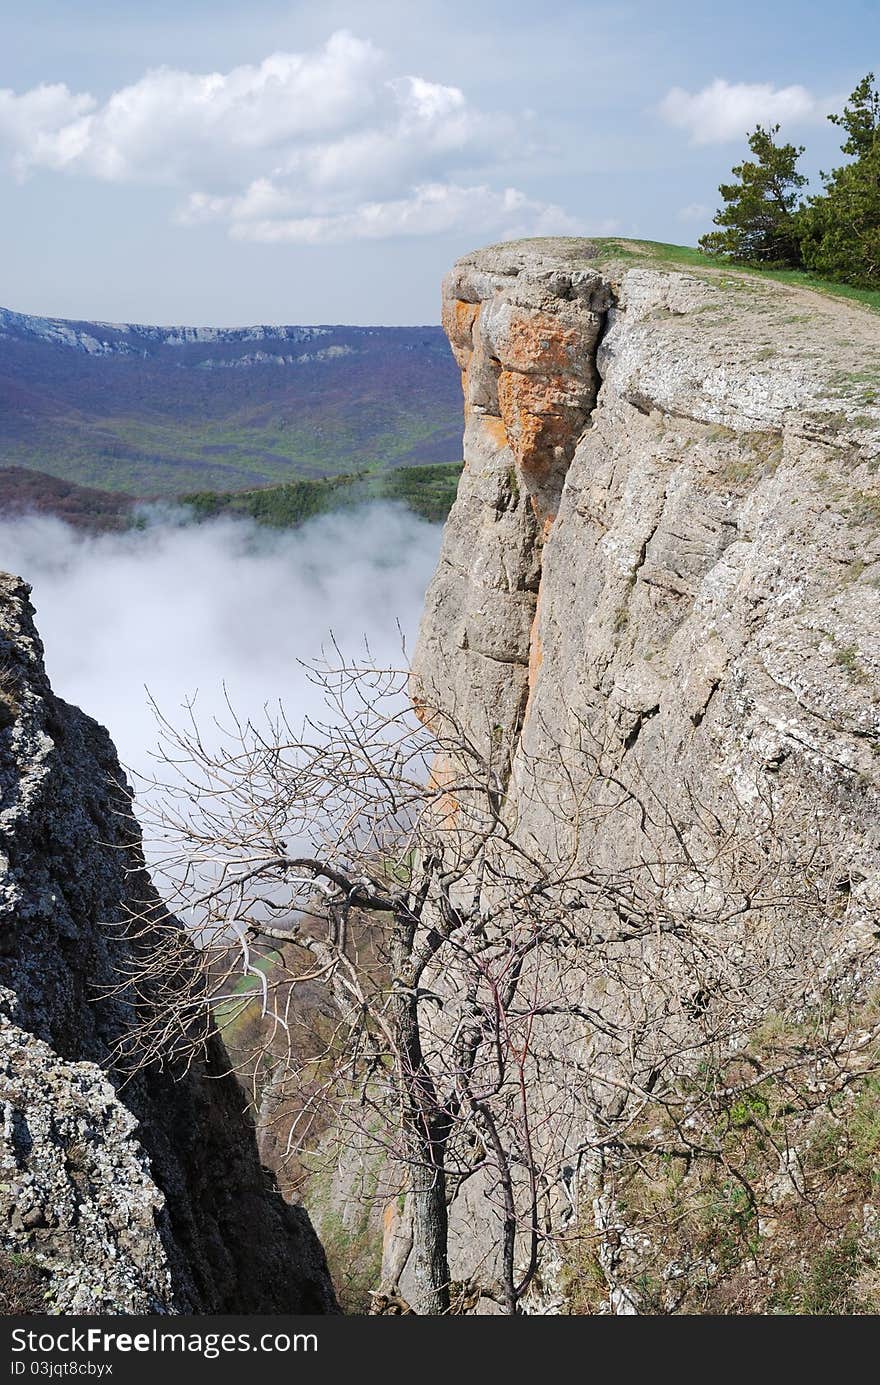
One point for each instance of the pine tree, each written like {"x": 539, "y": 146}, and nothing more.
{"x": 860, "y": 119}
{"x": 759, "y": 219}
{"x": 840, "y": 229}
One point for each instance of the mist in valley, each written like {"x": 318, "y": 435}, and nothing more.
{"x": 177, "y": 610}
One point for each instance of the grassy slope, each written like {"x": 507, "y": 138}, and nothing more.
{"x": 771, "y": 1209}
{"x": 688, "y": 257}
{"x": 146, "y": 459}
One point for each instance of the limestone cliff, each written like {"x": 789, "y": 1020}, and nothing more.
{"x": 116, "y": 1196}
{"x": 667, "y": 537}
{"x": 698, "y": 544}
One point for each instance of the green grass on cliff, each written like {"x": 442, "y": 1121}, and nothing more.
{"x": 689, "y": 257}
{"x": 772, "y": 1210}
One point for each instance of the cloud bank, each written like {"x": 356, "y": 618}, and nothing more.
{"x": 726, "y": 111}
{"x": 326, "y": 144}
{"x": 182, "y": 610}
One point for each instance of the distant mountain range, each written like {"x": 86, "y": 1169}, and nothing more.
{"x": 163, "y": 411}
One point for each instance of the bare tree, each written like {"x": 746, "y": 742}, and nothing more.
{"x": 503, "y": 1006}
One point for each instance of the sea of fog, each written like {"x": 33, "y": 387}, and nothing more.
{"x": 226, "y": 607}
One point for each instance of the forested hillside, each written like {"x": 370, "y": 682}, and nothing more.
{"x": 157, "y": 412}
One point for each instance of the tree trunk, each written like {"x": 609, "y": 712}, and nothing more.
{"x": 430, "y": 1264}
{"x": 426, "y": 1130}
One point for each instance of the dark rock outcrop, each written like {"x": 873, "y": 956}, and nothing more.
{"x": 145, "y": 1195}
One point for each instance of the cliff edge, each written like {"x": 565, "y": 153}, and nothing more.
{"x": 670, "y": 500}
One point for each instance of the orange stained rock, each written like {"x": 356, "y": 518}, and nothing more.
{"x": 447, "y": 806}
{"x": 424, "y": 713}
{"x": 494, "y": 426}
{"x": 458, "y": 319}
{"x": 465, "y": 315}
{"x": 541, "y": 425}
{"x": 536, "y": 652}
{"x": 536, "y": 341}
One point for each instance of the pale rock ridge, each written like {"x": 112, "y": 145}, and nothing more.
{"x": 114, "y": 338}
{"x": 138, "y": 1196}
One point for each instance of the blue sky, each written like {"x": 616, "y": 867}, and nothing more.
{"x": 213, "y": 162}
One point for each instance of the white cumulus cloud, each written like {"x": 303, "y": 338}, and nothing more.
{"x": 326, "y": 144}
{"x": 729, "y": 110}
{"x": 171, "y": 125}
{"x": 262, "y": 214}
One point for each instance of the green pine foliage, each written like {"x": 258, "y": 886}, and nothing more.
{"x": 759, "y": 219}
{"x": 840, "y": 229}
{"x": 426, "y": 490}
{"x": 834, "y": 234}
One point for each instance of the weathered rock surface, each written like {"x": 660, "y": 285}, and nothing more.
{"x": 135, "y": 1196}
{"x": 666, "y": 539}
{"x": 708, "y": 531}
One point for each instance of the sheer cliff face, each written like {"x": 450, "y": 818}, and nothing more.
{"x": 667, "y": 530}
{"x": 665, "y": 552}
{"x": 135, "y": 1197}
